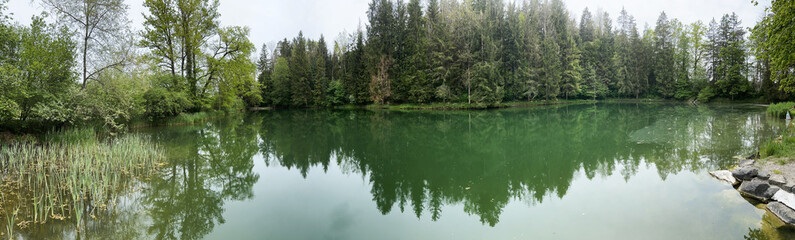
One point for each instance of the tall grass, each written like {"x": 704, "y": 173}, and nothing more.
{"x": 772, "y": 148}
{"x": 780, "y": 110}
{"x": 70, "y": 174}
{"x": 79, "y": 136}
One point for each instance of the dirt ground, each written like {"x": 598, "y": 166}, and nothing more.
{"x": 774, "y": 166}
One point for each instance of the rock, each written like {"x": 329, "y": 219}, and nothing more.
{"x": 785, "y": 197}
{"x": 745, "y": 173}
{"x": 753, "y": 156}
{"x": 789, "y": 186}
{"x": 747, "y": 163}
{"x": 778, "y": 180}
{"x": 725, "y": 176}
{"x": 762, "y": 174}
{"x": 758, "y": 189}
{"x": 786, "y": 214}
{"x": 771, "y": 192}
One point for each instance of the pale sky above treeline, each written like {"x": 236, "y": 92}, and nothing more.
{"x": 273, "y": 20}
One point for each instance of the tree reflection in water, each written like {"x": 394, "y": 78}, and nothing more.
{"x": 209, "y": 164}
{"x": 425, "y": 160}
{"x": 484, "y": 159}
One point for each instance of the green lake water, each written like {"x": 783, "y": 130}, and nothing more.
{"x": 603, "y": 171}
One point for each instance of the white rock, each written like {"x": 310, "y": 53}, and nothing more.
{"x": 787, "y": 198}
{"x": 778, "y": 180}
{"x": 724, "y": 175}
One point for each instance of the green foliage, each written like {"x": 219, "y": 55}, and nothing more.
{"x": 161, "y": 103}
{"x": 664, "y": 71}
{"x": 783, "y": 146}
{"x": 189, "y": 118}
{"x": 71, "y": 136}
{"x": 8, "y": 109}
{"x": 684, "y": 91}
{"x": 280, "y": 93}
{"x": 114, "y": 99}
{"x": 443, "y": 92}
{"x": 38, "y": 72}
{"x": 774, "y": 37}
{"x": 483, "y": 52}
{"x": 730, "y": 67}
{"x": 185, "y": 39}
{"x": 300, "y": 79}
{"x": 491, "y": 51}
{"x": 80, "y": 172}
{"x": 706, "y": 94}
{"x": 771, "y": 148}
{"x": 355, "y": 78}
{"x": 234, "y": 82}
{"x": 485, "y": 81}
{"x": 335, "y": 94}
{"x": 780, "y": 110}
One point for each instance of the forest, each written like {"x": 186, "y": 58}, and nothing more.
{"x": 490, "y": 51}
{"x": 89, "y": 66}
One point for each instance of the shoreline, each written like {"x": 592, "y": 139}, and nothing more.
{"x": 765, "y": 183}
{"x": 505, "y": 105}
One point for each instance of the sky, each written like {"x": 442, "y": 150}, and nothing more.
{"x": 273, "y": 20}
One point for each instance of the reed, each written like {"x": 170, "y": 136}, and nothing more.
{"x": 780, "y": 110}
{"x": 72, "y": 174}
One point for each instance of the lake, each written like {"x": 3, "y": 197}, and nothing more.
{"x": 589, "y": 171}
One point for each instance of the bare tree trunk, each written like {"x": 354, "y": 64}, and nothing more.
{"x": 469, "y": 86}
{"x": 85, "y": 48}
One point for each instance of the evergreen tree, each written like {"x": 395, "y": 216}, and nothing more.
{"x": 281, "y": 92}
{"x": 587, "y": 27}
{"x": 265, "y": 72}
{"x": 664, "y": 57}
{"x": 420, "y": 89}
{"x": 730, "y": 71}
{"x": 301, "y": 80}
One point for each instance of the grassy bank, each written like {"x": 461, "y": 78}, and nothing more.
{"x": 780, "y": 109}
{"x": 782, "y": 148}
{"x": 69, "y": 175}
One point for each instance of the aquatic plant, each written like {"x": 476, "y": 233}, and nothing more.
{"x": 779, "y": 110}
{"x": 70, "y": 175}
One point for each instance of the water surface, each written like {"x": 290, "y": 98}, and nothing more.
{"x": 604, "y": 171}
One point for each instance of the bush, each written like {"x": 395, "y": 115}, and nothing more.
{"x": 8, "y": 109}
{"x": 706, "y": 94}
{"x": 161, "y": 103}
{"x": 779, "y": 110}
{"x": 335, "y": 94}
{"x": 114, "y": 99}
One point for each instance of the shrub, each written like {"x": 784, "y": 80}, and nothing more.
{"x": 335, "y": 94}
{"x": 706, "y": 94}
{"x": 779, "y": 110}
{"x": 161, "y": 103}
{"x": 8, "y": 109}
